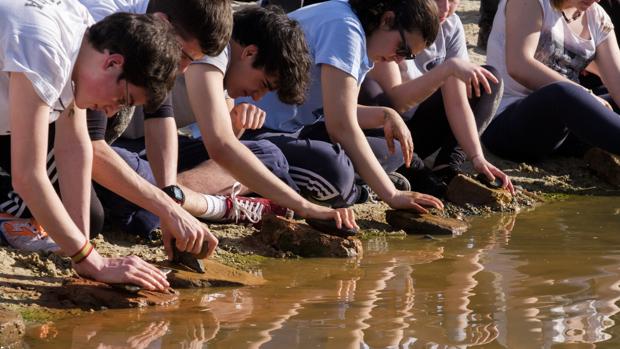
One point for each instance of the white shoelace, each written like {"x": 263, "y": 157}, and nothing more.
{"x": 252, "y": 210}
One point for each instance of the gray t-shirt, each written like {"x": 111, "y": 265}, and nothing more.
{"x": 449, "y": 43}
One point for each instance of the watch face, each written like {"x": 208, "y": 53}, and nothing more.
{"x": 175, "y": 193}
{"x": 178, "y": 194}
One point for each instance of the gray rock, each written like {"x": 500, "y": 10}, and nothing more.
{"x": 606, "y": 165}
{"x": 12, "y": 328}
{"x": 300, "y": 239}
{"x": 464, "y": 190}
{"x": 424, "y": 223}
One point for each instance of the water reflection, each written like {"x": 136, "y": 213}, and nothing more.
{"x": 544, "y": 278}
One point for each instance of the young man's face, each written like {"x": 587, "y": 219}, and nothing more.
{"x": 243, "y": 80}
{"x": 100, "y": 88}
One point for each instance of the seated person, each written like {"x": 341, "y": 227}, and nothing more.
{"x": 539, "y": 48}
{"x": 161, "y": 143}
{"x": 432, "y": 94}
{"x": 54, "y": 65}
{"x": 345, "y": 39}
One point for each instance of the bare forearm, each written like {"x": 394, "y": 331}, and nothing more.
{"x": 245, "y": 167}
{"x": 162, "y": 149}
{"x": 533, "y": 74}
{"x": 73, "y": 155}
{"x": 413, "y": 92}
{"x": 45, "y": 205}
{"x": 370, "y": 117}
{"x": 354, "y": 142}
{"x": 460, "y": 116}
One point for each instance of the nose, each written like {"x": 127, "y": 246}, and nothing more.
{"x": 443, "y": 6}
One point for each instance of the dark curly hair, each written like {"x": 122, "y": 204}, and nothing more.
{"x": 411, "y": 15}
{"x": 282, "y": 48}
{"x": 208, "y": 21}
{"x": 150, "y": 49}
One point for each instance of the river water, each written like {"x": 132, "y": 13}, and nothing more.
{"x": 545, "y": 278}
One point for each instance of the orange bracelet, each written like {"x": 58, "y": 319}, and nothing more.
{"x": 83, "y": 253}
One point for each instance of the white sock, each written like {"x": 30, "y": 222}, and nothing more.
{"x": 216, "y": 207}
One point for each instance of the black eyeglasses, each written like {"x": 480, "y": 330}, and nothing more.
{"x": 403, "y": 49}
{"x": 187, "y": 55}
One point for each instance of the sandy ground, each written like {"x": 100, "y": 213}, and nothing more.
{"x": 24, "y": 276}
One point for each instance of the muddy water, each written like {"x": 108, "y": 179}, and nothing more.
{"x": 547, "y": 278}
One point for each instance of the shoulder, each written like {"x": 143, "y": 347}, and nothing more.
{"x": 602, "y": 20}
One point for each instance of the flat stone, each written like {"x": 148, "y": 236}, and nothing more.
{"x": 424, "y": 223}
{"x": 605, "y": 164}
{"x": 89, "y": 294}
{"x": 464, "y": 190}
{"x": 300, "y": 239}
{"x": 215, "y": 275}
{"x": 12, "y": 328}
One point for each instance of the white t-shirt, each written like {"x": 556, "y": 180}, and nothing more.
{"x": 559, "y": 48}
{"x": 40, "y": 38}
{"x": 335, "y": 37}
{"x": 450, "y": 42}
{"x": 100, "y": 9}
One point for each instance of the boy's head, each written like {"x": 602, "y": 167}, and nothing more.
{"x": 273, "y": 56}
{"x": 133, "y": 60}
{"x": 203, "y": 26}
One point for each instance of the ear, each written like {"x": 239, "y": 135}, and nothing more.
{"x": 387, "y": 20}
{"x": 114, "y": 61}
{"x": 249, "y": 51}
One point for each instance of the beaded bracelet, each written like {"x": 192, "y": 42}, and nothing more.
{"x": 83, "y": 253}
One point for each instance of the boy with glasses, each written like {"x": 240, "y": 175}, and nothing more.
{"x": 434, "y": 94}
{"x": 54, "y": 64}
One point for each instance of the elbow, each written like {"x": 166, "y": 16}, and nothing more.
{"x": 218, "y": 149}
{"x": 517, "y": 68}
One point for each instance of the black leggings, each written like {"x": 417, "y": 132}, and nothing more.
{"x": 429, "y": 124}
{"x": 538, "y": 125}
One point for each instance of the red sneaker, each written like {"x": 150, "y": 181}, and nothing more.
{"x": 250, "y": 210}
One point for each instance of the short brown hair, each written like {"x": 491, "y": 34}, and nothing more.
{"x": 149, "y": 47}
{"x": 411, "y": 15}
{"x": 208, "y": 21}
{"x": 282, "y": 48}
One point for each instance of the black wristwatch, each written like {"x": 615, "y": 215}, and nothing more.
{"x": 175, "y": 193}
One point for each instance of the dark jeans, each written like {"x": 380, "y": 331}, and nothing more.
{"x": 136, "y": 220}
{"x": 539, "y": 124}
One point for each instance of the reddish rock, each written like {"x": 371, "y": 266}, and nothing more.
{"x": 300, "y": 239}
{"x": 604, "y": 164}
{"x": 215, "y": 275}
{"x": 89, "y": 294}
{"x": 12, "y": 328}
{"x": 424, "y": 223}
{"x": 464, "y": 190}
